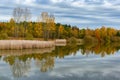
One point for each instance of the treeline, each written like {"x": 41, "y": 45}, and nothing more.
{"x": 34, "y": 30}
{"x": 102, "y": 35}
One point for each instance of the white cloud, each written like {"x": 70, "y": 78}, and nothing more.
{"x": 26, "y": 2}
{"x": 61, "y": 1}
{"x": 107, "y": 3}
{"x": 71, "y": 20}
{"x": 56, "y": 1}
{"x": 77, "y": 11}
{"x": 5, "y": 17}
{"x": 78, "y": 3}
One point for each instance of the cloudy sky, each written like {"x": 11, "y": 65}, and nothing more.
{"x": 82, "y": 13}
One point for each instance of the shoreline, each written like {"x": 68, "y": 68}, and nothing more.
{"x": 30, "y": 44}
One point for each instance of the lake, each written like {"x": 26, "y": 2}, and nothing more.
{"x": 71, "y": 62}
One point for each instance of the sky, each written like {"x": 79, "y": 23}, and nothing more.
{"x": 82, "y": 13}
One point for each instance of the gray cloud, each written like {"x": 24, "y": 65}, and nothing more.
{"x": 75, "y": 12}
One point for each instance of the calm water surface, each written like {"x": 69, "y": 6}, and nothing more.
{"x": 72, "y": 62}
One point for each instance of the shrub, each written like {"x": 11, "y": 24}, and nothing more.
{"x": 72, "y": 40}
{"x": 90, "y": 39}
{"x": 29, "y": 36}
{"x": 115, "y": 39}
{"x": 118, "y": 34}
{"x": 107, "y": 39}
{"x": 3, "y": 36}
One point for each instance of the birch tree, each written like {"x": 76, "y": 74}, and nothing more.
{"x": 45, "y": 20}
{"x": 17, "y": 16}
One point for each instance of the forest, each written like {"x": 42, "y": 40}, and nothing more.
{"x": 20, "y": 27}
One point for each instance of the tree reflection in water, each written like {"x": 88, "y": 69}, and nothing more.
{"x": 20, "y": 65}
{"x": 45, "y": 64}
{"x": 20, "y": 68}
{"x": 100, "y": 49}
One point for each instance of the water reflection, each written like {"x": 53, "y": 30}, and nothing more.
{"x": 45, "y": 64}
{"x": 100, "y": 49}
{"x": 20, "y": 68}
{"x": 20, "y": 64}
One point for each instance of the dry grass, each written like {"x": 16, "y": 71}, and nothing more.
{"x": 57, "y": 41}
{"x": 25, "y": 44}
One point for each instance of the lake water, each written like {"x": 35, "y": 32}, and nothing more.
{"x": 72, "y": 62}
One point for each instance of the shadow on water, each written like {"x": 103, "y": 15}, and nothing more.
{"x": 21, "y": 64}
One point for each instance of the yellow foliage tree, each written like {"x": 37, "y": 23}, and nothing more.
{"x": 11, "y": 28}
{"x": 38, "y": 30}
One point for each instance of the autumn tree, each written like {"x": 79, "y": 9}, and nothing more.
{"x": 17, "y": 16}
{"x": 57, "y": 30}
{"x": 75, "y": 32}
{"x": 97, "y": 34}
{"x": 11, "y": 27}
{"x": 103, "y": 32}
{"x": 38, "y": 30}
{"x": 118, "y": 33}
{"x": 82, "y": 33}
{"x": 26, "y": 18}
{"x": 45, "y": 20}
{"x": 48, "y": 23}
{"x": 52, "y": 26}
{"x": 30, "y": 30}
{"x": 61, "y": 31}
{"x": 3, "y": 31}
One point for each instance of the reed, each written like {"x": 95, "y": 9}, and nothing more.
{"x": 57, "y": 41}
{"x": 25, "y": 44}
